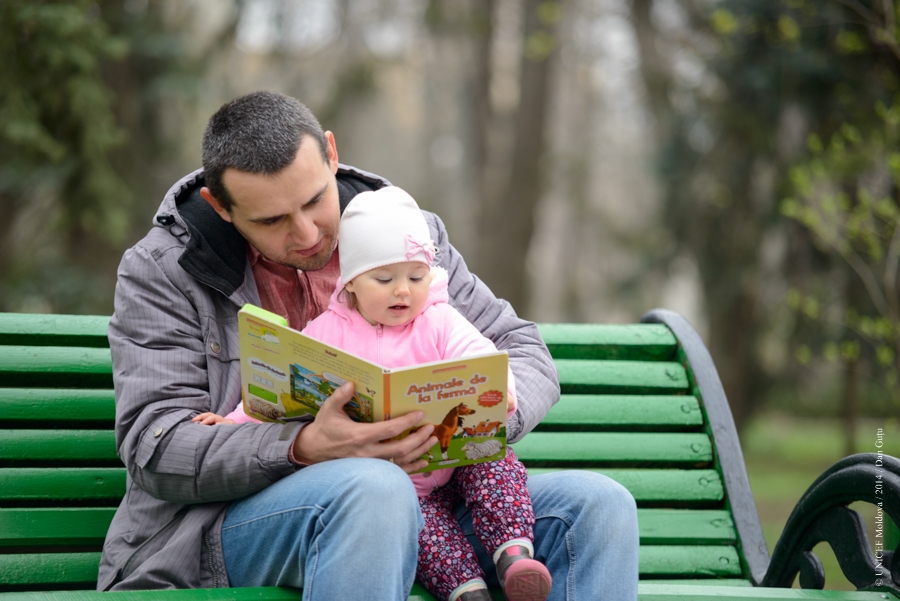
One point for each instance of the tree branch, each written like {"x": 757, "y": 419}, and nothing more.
{"x": 868, "y": 278}
{"x": 878, "y": 32}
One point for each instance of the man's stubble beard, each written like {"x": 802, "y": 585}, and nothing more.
{"x": 315, "y": 262}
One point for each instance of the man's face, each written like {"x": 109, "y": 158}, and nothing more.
{"x": 291, "y": 217}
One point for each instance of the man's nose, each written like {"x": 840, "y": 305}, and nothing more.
{"x": 304, "y": 231}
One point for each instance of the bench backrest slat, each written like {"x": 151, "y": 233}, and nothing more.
{"x": 75, "y": 405}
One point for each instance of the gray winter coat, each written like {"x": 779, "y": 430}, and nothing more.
{"x": 173, "y": 337}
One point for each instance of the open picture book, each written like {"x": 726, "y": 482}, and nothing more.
{"x": 286, "y": 376}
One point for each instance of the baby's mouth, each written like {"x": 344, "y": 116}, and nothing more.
{"x": 399, "y": 307}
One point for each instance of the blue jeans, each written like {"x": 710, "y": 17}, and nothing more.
{"x": 345, "y": 529}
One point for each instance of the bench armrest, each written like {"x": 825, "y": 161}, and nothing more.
{"x": 822, "y": 515}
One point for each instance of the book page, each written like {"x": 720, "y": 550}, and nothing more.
{"x": 286, "y": 375}
{"x": 465, "y": 399}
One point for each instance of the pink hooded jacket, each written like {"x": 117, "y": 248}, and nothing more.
{"x": 438, "y": 332}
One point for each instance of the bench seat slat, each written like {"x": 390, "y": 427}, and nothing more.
{"x": 32, "y": 404}
{"x": 688, "y": 560}
{"x": 650, "y": 485}
{"x": 55, "y": 359}
{"x": 49, "y": 568}
{"x": 58, "y": 445}
{"x": 55, "y": 366}
{"x": 615, "y": 377}
{"x": 722, "y": 582}
{"x": 62, "y": 484}
{"x": 661, "y": 560}
{"x": 85, "y": 526}
{"x": 575, "y": 448}
{"x": 52, "y": 526}
{"x": 653, "y": 591}
{"x": 646, "y": 342}
{"x": 58, "y": 330}
{"x": 571, "y": 447}
{"x": 646, "y": 485}
{"x": 685, "y": 527}
{"x": 580, "y": 410}
{"x": 269, "y": 593}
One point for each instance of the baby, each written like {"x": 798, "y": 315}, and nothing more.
{"x": 391, "y": 306}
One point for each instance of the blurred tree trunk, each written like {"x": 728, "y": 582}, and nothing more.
{"x": 855, "y": 298}
{"x": 483, "y": 20}
{"x": 722, "y": 233}
{"x": 508, "y": 218}
{"x": 850, "y": 405}
{"x": 655, "y": 70}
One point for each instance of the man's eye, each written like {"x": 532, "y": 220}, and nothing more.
{"x": 272, "y": 221}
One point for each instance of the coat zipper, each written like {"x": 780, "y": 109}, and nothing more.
{"x": 209, "y": 557}
{"x": 379, "y": 329}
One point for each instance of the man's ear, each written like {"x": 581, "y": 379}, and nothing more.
{"x": 331, "y": 151}
{"x": 215, "y": 204}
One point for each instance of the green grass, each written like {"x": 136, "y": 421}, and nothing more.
{"x": 784, "y": 454}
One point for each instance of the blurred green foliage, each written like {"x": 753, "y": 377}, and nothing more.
{"x": 843, "y": 190}
{"x": 91, "y": 93}
{"x": 794, "y": 118}
{"x": 57, "y": 125}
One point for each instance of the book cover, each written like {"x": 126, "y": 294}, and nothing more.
{"x": 286, "y": 375}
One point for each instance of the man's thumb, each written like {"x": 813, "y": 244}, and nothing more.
{"x": 340, "y": 397}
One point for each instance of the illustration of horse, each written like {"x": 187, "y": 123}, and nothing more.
{"x": 447, "y": 428}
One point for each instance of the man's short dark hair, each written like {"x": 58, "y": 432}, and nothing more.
{"x": 257, "y": 133}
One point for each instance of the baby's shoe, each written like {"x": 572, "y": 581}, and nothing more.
{"x": 479, "y": 594}
{"x": 521, "y": 577}
{"x": 471, "y": 590}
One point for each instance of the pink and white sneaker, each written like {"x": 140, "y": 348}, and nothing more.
{"x": 521, "y": 577}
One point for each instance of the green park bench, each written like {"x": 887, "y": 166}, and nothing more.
{"x": 641, "y": 403}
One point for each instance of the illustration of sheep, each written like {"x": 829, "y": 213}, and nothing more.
{"x": 477, "y": 450}
{"x": 266, "y": 409}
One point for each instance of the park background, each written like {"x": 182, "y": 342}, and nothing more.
{"x": 736, "y": 161}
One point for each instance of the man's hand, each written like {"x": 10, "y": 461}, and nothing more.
{"x": 333, "y": 435}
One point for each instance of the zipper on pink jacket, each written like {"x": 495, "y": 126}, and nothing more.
{"x": 379, "y": 330}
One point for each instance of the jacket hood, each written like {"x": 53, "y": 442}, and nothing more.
{"x": 437, "y": 293}
{"x": 215, "y": 253}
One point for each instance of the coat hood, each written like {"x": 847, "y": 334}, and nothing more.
{"x": 215, "y": 253}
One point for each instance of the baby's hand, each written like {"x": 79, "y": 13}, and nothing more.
{"x": 211, "y": 419}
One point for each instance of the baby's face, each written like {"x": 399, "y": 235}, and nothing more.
{"x": 391, "y": 295}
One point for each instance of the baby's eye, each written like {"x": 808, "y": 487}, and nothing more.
{"x": 417, "y": 279}
{"x": 383, "y": 280}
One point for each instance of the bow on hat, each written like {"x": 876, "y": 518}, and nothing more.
{"x": 414, "y": 247}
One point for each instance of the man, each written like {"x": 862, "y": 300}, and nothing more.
{"x": 323, "y": 505}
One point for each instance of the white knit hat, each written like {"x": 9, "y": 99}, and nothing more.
{"x": 382, "y": 228}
